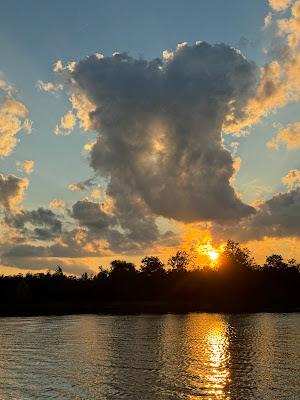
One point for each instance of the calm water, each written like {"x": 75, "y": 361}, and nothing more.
{"x": 193, "y": 356}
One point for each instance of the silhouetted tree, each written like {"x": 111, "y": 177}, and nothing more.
{"x": 180, "y": 261}
{"x": 238, "y": 284}
{"x": 84, "y": 276}
{"x": 234, "y": 258}
{"x": 275, "y": 261}
{"x": 292, "y": 264}
{"x": 102, "y": 274}
{"x": 59, "y": 272}
{"x": 151, "y": 265}
{"x": 122, "y": 266}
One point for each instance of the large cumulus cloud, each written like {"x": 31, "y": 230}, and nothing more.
{"x": 159, "y": 127}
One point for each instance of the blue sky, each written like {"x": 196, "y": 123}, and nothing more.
{"x": 34, "y": 35}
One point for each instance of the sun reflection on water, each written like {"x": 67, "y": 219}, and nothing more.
{"x": 184, "y": 357}
{"x": 209, "y": 358}
{"x": 217, "y": 341}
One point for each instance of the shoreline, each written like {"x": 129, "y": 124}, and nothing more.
{"x": 145, "y": 308}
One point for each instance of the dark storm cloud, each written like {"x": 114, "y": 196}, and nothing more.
{"x": 137, "y": 228}
{"x": 46, "y": 225}
{"x": 159, "y": 124}
{"x": 89, "y": 214}
{"x": 276, "y": 217}
{"x": 98, "y": 234}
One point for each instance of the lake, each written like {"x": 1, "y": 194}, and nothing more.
{"x": 149, "y": 357}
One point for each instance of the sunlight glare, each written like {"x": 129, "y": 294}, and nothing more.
{"x": 213, "y": 255}
{"x": 207, "y": 249}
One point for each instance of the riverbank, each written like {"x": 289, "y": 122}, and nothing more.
{"x": 127, "y": 308}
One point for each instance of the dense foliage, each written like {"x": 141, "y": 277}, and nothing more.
{"x": 235, "y": 284}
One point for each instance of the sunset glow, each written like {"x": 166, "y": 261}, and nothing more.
{"x": 206, "y": 249}
{"x": 150, "y": 199}
{"x": 149, "y": 173}
{"x": 213, "y": 255}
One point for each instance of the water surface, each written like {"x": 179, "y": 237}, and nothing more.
{"x": 149, "y": 357}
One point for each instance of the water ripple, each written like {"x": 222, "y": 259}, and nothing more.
{"x": 194, "y": 356}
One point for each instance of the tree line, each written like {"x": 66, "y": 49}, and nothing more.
{"x": 235, "y": 284}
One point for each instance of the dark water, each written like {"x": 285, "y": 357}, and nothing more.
{"x": 193, "y": 356}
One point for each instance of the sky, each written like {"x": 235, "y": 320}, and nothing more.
{"x": 130, "y": 128}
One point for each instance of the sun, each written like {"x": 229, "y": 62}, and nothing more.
{"x": 213, "y": 255}
{"x": 205, "y": 248}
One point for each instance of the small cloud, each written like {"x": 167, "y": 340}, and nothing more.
{"x": 73, "y": 187}
{"x": 81, "y": 186}
{"x": 267, "y": 20}
{"x": 67, "y": 124}
{"x": 12, "y": 190}
{"x": 57, "y": 204}
{"x": 167, "y": 55}
{"x": 181, "y": 45}
{"x": 49, "y": 86}
{"x": 290, "y": 136}
{"x": 83, "y": 108}
{"x": 272, "y": 144}
{"x": 99, "y": 56}
{"x": 292, "y": 179}
{"x": 12, "y": 121}
{"x": 58, "y": 66}
{"x": 27, "y": 125}
{"x": 26, "y": 166}
{"x": 71, "y": 66}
